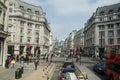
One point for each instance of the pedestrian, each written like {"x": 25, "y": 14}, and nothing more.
{"x": 47, "y": 58}
{"x": 36, "y": 63}
{"x": 7, "y": 63}
{"x": 22, "y": 63}
{"x": 13, "y": 63}
{"x": 27, "y": 59}
{"x": 79, "y": 57}
{"x": 51, "y": 57}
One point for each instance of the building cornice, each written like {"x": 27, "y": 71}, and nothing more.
{"x": 19, "y": 16}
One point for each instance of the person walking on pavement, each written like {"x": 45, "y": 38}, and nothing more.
{"x": 22, "y": 63}
{"x": 13, "y": 63}
{"x": 79, "y": 57}
{"x": 47, "y": 58}
{"x": 7, "y": 63}
{"x": 51, "y": 57}
{"x": 36, "y": 64}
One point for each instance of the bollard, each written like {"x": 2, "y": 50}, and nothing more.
{"x": 17, "y": 73}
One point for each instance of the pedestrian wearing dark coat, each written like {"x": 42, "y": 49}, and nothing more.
{"x": 36, "y": 64}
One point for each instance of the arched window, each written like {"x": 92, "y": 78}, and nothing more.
{"x": 119, "y": 9}
{"x": 110, "y": 11}
{"x": 102, "y": 13}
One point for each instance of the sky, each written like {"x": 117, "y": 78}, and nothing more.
{"x": 65, "y": 16}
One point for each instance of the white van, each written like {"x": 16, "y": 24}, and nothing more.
{"x": 71, "y": 76}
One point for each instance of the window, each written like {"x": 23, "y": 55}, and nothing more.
{"x": 101, "y": 19}
{"x": 37, "y": 12}
{"x": 114, "y": 67}
{"x": 118, "y": 16}
{"x": 10, "y": 10}
{"x": 21, "y": 7}
{"x": 29, "y": 24}
{"x": 110, "y": 33}
{"x": 10, "y": 4}
{"x": 118, "y": 9}
{"x": 113, "y": 49}
{"x": 110, "y": 11}
{"x": 110, "y": 26}
{"x": 118, "y": 25}
{"x": 103, "y": 41}
{"x": 28, "y": 39}
{"x": 111, "y": 41}
{"x": 101, "y": 33}
{"x": 22, "y": 23}
{"x": 21, "y": 39}
{"x": 110, "y": 17}
{"x": 102, "y": 13}
{"x": 36, "y": 39}
{"x": 29, "y": 31}
{"x": 101, "y": 27}
{"x": 118, "y": 32}
{"x": 37, "y": 33}
{"x": 37, "y": 26}
{"x": 29, "y": 10}
{"x": 21, "y": 30}
{"x": 118, "y": 40}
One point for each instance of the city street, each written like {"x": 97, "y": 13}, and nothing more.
{"x": 86, "y": 67}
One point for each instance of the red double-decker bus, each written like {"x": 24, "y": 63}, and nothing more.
{"x": 112, "y": 69}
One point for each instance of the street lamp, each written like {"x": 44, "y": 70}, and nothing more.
{"x": 38, "y": 47}
{"x": 101, "y": 47}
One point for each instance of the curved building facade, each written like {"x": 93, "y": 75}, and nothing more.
{"x": 3, "y": 30}
{"x": 103, "y": 28}
{"x": 29, "y": 31}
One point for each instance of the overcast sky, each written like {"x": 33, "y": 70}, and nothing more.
{"x": 67, "y": 15}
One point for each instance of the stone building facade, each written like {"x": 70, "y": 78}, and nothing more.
{"x": 29, "y": 30}
{"x": 103, "y": 28}
{"x": 3, "y": 30}
{"x": 79, "y": 39}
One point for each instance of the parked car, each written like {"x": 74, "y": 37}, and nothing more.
{"x": 99, "y": 67}
{"x": 63, "y": 72}
{"x": 68, "y": 64}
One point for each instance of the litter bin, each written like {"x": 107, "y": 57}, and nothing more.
{"x": 21, "y": 70}
{"x": 18, "y": 73}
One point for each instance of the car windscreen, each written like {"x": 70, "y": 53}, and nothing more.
{"x": 68, "y": 70}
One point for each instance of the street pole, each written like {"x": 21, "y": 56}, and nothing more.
{"x": 101, "y": 39}
{"x": 38, "y": 48}
{"x": 101, "y": 48}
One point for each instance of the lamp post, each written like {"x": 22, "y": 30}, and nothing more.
{"x": 38, "y": 48}
{"x": 101, "y": 48}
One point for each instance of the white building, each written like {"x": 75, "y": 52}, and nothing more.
{"x": 3, "y": 30}
{"x": 71, "y": 40}
{"x": 79, "y": 39}
{"x": 103, "y": 28}
{"x": 29, "y": 31}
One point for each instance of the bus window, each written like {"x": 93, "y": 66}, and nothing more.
{"x": 118, "y": 50}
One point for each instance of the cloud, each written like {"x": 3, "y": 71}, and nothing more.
{"x": 75, "y": 7}
{"x": 34, "y": 2}
{"x": 68, "y": 7}
{"x": 68, "y": 15}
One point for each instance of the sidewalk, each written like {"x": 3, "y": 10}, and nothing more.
{"x": 2, "y": 69}
{"x": 44, "y": 72}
